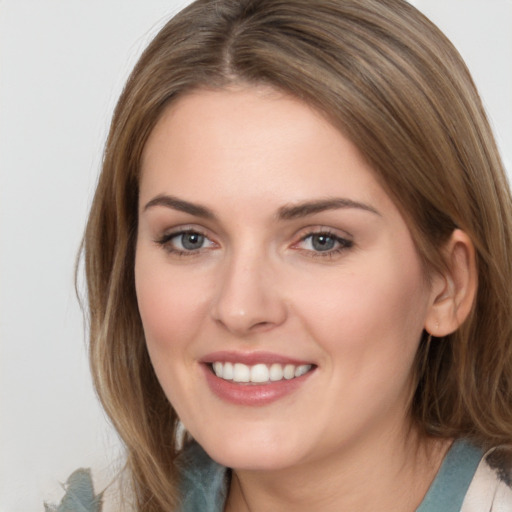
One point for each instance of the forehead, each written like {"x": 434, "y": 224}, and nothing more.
{"x": 222, "y": 121}
{"x": 255, "y": 137}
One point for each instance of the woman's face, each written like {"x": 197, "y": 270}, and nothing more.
{"x": 268, "y": 254}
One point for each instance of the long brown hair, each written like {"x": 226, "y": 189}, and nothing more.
{"x": 393, "y": 84}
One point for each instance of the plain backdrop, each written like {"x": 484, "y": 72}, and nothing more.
{"x": 62, "y": 66}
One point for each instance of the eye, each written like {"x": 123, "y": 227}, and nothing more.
{"x": 189, "y": 241}
{"x": 324, "y": 242}
{"x": 185, "y": 242}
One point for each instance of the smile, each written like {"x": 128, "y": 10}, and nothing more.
{"x": 258, "y": 373}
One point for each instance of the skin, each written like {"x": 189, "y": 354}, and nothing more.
{"x": 258, "y": 283}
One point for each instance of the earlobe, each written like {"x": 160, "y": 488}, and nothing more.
{"x": 454, "y": 291}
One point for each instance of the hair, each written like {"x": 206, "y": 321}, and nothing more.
{"x": 396, "y": 87}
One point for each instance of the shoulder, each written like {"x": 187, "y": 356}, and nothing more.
{"x": 491, "y": 487}
{"x": 204, "y": 483}
{"x": 80, "y": 496}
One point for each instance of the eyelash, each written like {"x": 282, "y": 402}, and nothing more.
{"x": 166, "y": 242}
{"x": 343, "y": 244}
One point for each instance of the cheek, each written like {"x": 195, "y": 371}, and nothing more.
{"x": 172, "y": 305}
{"x": 372, "y": 315}
{"x": 172, "y": 308}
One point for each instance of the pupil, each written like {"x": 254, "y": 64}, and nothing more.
{"x": 323, "y": 242}
{"x": 192, "y": 241}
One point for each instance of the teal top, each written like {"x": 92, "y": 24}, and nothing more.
{"x": 451, "y": 483}
{"x": 467, "y": 481}
{"x": 205, "y": 483}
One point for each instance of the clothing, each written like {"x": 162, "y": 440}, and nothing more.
{"x": 468, "y": 481}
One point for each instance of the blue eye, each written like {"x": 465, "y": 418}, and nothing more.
{"x": 323, "y": 242}
{"x": 185, "y": 242}
{"x": 189, "y": 241}
{"x": 327, "y": 243}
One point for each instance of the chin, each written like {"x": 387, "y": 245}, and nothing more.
{"x": 250, "y": 453}
{"x": 248, "y": 460}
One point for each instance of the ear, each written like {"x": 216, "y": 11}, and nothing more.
{"x": 453, "y": 291}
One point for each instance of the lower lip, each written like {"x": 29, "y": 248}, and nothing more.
{"x": 252, "y": 394}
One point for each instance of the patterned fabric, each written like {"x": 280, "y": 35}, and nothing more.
{"x": 468, "y": 481}
{"x": 448, "y": 490}
{"x": 79, "y": 495}
{"x": 491, "y": 487}
{"x": 204, "y": 482}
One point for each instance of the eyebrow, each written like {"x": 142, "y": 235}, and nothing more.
{"x": 311, "y": 207}
{"x": 288, "y": 212}
{"x": 180, "y": 205}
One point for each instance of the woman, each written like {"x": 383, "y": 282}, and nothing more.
{"x": 298, "y": 253}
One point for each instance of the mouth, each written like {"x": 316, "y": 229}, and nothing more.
{"x": 259, "y": 373}
{"x": 255, "y": 378}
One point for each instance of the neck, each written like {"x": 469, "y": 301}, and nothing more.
{"x": 389, "y": 475}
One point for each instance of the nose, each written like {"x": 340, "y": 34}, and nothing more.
{"x": 249, "y": 298}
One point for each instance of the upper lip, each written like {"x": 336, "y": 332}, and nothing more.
{"x": 251, "y": 358}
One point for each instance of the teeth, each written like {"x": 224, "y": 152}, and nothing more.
{"x": 302, "y": 370}
{"x": 217, "y": 368}
{"x": 289, "y": 371}
{"x": 241, "y": 373}
{"x": 227, "y": 370}
{"x": 276, "y": 372}
{"x": 258, "y": 373}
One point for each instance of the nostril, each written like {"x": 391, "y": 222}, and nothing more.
{"x": 246, "y": 327}
{"x": 261, "y": 326}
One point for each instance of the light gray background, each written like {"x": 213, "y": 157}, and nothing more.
{"x": 62, "y": 66}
